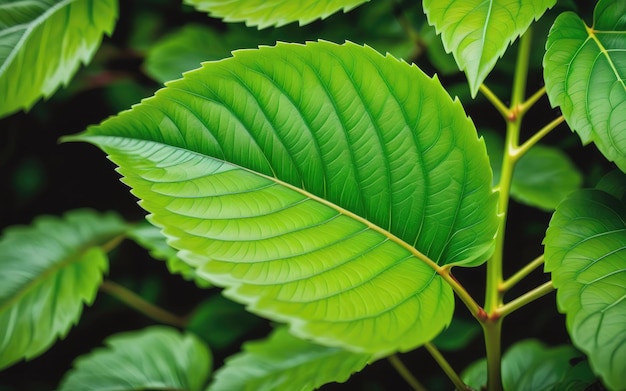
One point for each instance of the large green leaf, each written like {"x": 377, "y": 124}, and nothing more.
{"x": 528, "y": 366}
{"x": 585, "y": 74}
{"x": 156, "y": 358}
{"x": 48, "y": 270}
{"x": 303, "y": 177}
{"x": 542, "y": 177}
{"x": 478, "y": 32}
{"x": 42, "y": 43}
{"x": 284, "y": 362}
{"x": 265, "y": 13}
{"x": 585, "y": 250}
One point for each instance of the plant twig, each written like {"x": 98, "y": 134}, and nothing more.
{"x": 526, "y": 298}
{"x": 521, "y": 274}
{"x": 447, "y": 368}
{"x": 133, "y": 300}
{"x": 405, "y": 373}
{"x": 519, "y": 152}
{"x": 524, "y": 107}
{"x": 467, "y": 299}
{"x": 495, "y": 101}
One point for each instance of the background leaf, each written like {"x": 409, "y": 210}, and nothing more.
{"x": 49, "y": 270}
{"x": 585, "y": 252}
{"x": 154, "y": 358}
{"x": 284, "y": 362}
{"x": 478, "y": 32}
{"x": 542, "y": 177}
{"x": 318, "y": 138}
{"x": 585, "y": 75}
{"x": 458, "y": 335}
{"x": 527, "y": 366}
{"x": 42, "y": 43}
{"x": 151, "y": 238}
{"x": 265, "y": 13}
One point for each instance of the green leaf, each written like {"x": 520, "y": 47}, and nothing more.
{"x": 577, "y": 378}
{"x": 303, "y": 178}
{"x": 151, "y": 238}
{"x": 542, "y": 177}
{"x": 157, "y": 358}
{"x": 585, "y": 252}
{"x": 458, "y": 335}
{"x": 49, "y": 270}
{"x": 221, "y": 322}
{"x": 478, "y": 32}
{"x": 585, "y": 75}
{"x": 284, "y": 362}
{"x": 265, "y": 13}
{"x": 527, "y": 365}
{"x": 42, "y": 43}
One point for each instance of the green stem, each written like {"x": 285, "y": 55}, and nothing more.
{"x": 447, "y": 368}
{"x": 492, "y": 331}
{"x": 522, "y": 273}
{"x": 526, "y": 298}
{"x": 467, "y": 299}
{"x": 538, "y": 136}
{"x": 131, "y": 299}
{"x": 495, "y": 101}
{"x": 405, "y": 373}
{"x": 524, "y": 107}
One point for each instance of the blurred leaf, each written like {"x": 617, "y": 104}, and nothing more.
{"x": 265, "y": 13}
{"x": 157, "y": 357}
{"x": 221, "y": 322}
{"x": 458, "y": 335}
{"x": 585, "y": 75}
{"x": 478, "y": 32}
{"x": 150, "y": 237}
{"x": 42, "y": 43}
{"x": 577, "y": 378}
{"x": 527, "y": 366}
{"x": 613, "y": 183}
{"x": 585, "y": 250}
{"x": 542, "y": 177}
{"x": 284, "y": 362}
{"x": 49, "y": 269}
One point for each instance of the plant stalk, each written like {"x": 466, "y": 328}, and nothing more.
{"x": 526, "y": 298}
{"x": 133, "y": 300}
{"x": 538, "y": 136}
{"x": 447, "y": 368}
{"x": 521, "y": 274}
{"x": 405, "y": 373}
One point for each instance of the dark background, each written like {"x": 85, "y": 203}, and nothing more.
{"x": 40, "y": 176}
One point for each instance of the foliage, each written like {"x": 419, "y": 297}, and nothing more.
{"x": 328, "y": 188}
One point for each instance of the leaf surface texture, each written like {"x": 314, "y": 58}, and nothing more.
{"x": 50, "y": 269}
{"x": 585, "y": 250}
{"x": 304, "y": 178}
{"x": 42, "y": 43}
{"x": 478, "y": 32}
{"x": 585, "y": 75}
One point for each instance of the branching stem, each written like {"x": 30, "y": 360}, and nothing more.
{"x": 521, "y": 274}
{"x": 405, "y": 373}
{"x": 526, "y": 298}
{"x": 495, "y": 101}
{"x": 133, "y": 300}
{"x": 447, "y": 368}
{"x": 524, "y": 107}
{"x": 519, "y": 152}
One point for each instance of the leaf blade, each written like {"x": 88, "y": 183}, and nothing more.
{"x": 585, "y": 77}
{"x": 297, "y": 201}
{"x": 65, "y": 33}
{"x": 478, "y": 32}
{"x": 52, "y": 268}
{"x": 583, "y": 246}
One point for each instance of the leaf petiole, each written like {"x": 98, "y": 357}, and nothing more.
{"x": 521, "y": 274}
{"x": 495, "y": 101}
{"x": 524, "y": 299}
{"x": 522, "y": 149}
{"x": 399, "y": 366}
{"x": 524, "y": 107}
{"x": 446, "y": 367}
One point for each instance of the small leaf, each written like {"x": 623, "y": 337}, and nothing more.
{"x": 284, "y": 362}
{"x": 585, "y": 75}
{"x": 458, "y": 335}
{"x": 42, "y": 43}
{"x": 542, "y": 177}
{"x": 304, "y": 177}
{"x": 48, "y": 271}
{"x": 221, "y": 322}
{"x": 478, "y": 32}
{"x": 585, "y": 250}
{"x": 265, "y": 13}
{"x": 527, "y": 366}
{"x": 151, "y": 238}
{"x": 159, "y": 358}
